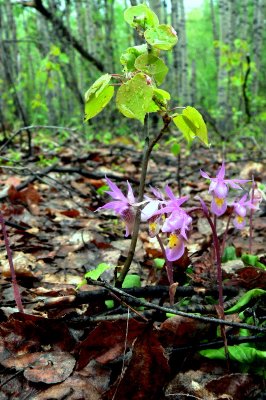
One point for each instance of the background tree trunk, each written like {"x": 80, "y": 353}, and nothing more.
{"x": 214, "y": 33}
{"x": 185, "y": 96}
{"x": 258, "y": 20}
{"x": 225, "y": 117}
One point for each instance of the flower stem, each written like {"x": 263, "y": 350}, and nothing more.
{"x": 216, "y": 245}
{"x": 169, "y": 271}
{"x": 251, "y": 217}
{"x": 225, "y": 233}
{"x": 149, "y": 145}
{"x": 17, "y": 296}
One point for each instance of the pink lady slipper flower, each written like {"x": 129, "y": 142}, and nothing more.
{"x": 240, "y": 211}
{"x": 219, "y": 187}
{"x": 122, "y": 205}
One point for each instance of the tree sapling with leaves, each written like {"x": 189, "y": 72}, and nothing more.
{"x": 138, "y": 95}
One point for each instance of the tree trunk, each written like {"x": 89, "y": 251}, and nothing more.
{"x": 258, "y": 20}
{"x": 193, "y": 84}
{"x": 109, "y": 39}
{"x": 63, "y": 33}
{"x": 176, "y": 68}
{"x": 156, "y": 6}
{"x": 225, "y": 117}
{"x": 243, "y": 20}
{"x": 214, "y": 32}
{"x": 185, "y": 96}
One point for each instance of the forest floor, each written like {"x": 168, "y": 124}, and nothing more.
{"x": 72, "y": 344}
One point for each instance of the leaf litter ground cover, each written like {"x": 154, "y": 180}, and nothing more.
{"x": 95, "y": 344}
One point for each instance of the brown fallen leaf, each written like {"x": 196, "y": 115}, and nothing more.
{"x": 107, "y": 341}
{"x": 237, "y": 386}
{"x": 179, "y": 331}
{"x": 28, "y": 196}
{"x": 24, "y": 333}
{"x": 74, "y": 388}
{"x": 50, "y": 367}
{"x": 147, "y": 372}
{"x": 248, "y": 278}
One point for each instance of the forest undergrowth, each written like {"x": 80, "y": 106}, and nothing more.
{"x": 97, "y": 339}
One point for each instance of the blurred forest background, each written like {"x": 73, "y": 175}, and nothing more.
{"x": 51, "y": 51}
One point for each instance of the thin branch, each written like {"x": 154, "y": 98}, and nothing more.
{"x": 139, "y": 302}
{"x": 149, "y": 145}
{"x": 26, "y": 128}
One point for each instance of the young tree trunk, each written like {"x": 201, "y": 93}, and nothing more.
{"x": 225, "y": 117}
{"x": 193, "y": 84}
{"x": 90, "y": 26}
{"x": 258, "y": 20}
{"x": 156, "y": 6}
{"x": 214, "y": 32}
{"x": 11, "y": 33}
{"x": 164, "y": 12}
{"x": 185, "y": 95}
{"x": 109, "y": 37}
{"x": 243, "y": 20}
{"x": 176, "y": 69}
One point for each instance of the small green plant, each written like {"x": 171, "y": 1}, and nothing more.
{"x": 143, "y": 72}
{"x": 138, "y": 94}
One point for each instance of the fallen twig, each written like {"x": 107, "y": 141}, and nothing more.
{"x": 138, "y": 302}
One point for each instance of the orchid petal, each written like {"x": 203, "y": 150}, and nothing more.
{"x": 212, "y": 185}
{"x": 218, "y": 206}
{"x": 130, "y": 194}
{"x": 204, "y": 174}
{"x": 175, "y": 248}
{"x": 149, "y": 210}
{"x": 221, "y": 190}
{"x": 128, "y": 216}
{"x": 221, "y": 172}
{"x": 239, "y": 222}
{"x": 115, "y": 191}
{"x": 117, "y": 206}
{"x": 169, "y": 192}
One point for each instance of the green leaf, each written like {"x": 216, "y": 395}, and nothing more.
{"x": 134, "y": 97}
{"x": 141, "y": 16}
{"x": 98, "y": 96}
{"x": 159, "y": 100}
{"x": 192, "y": 125}
{"x": 242, "y": 354}
{"x": 159, "y": 262}
{"x": 98, "y": 271}
{"x": 129, "y": 56}
{"x": 175, "y": 149}
{"x": 153, "y": 66}
{"x": 101, "y": 190}
{"x": 229, "y": 254}
{"x": 245, "y": 299}
{"x": 98, "y": 86}
{"x": 130, "y": 281}
{"x": 250, "y": 259}
{"x": 109, "y": 304}
{"x": 162, "y": 37}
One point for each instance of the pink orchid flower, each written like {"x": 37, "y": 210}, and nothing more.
{"x": 170, "y": 218}
{"x": 219, "y": 187}
{"x": 240, "y": 211}
{"x": 122, "y": 205}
